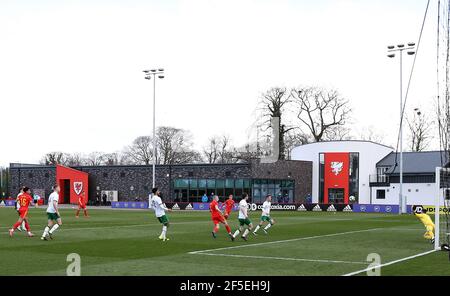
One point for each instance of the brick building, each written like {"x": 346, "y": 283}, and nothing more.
{"x": 290, "y": 180}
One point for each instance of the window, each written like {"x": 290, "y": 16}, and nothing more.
{"x": 181, "y": 183}
{"x": 220, "y": 183}
{"x": 229, "y": 183}
{"x": 354, "y": 176}
{"x": 381, "y": 194}
{"x": 211, "y": 184}
{"x": 193, "y": 183}
{"x": 321, "y": 177}
{"x": 202, "y": 183}
{"x": 192, "y": 190}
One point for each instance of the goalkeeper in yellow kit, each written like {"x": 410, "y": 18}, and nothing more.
{"x": 421, "y": 213}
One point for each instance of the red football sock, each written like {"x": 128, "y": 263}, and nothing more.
{"x": 27, "y": 226}
{"x": 227, "y": 227}
{"x": 216, "y": 228}
{"x": 15, "y": 226}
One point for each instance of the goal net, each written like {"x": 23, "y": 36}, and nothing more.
{"x": 442, "y": 208}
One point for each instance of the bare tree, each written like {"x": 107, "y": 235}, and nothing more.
{"x": 94, "y": 158}
{"x": 141, "y": 150}
{"x": 371, "y": 134}
{"x": 111, "y": 158}
{"x": 246, "y": 154}
{"x": 74, "y": 159}
{"x": 321, "y": 112}
{"x": 294, "y": 139}
{"x": 219, "y": 150}
{"x": 174, "y": 146}
{"x": 274, "y": 103}
{"x": 211, "y": 150}
{"x": 53, "y": 158}
{"x": 419, "y": 127}
{"x": 338, "y": 133}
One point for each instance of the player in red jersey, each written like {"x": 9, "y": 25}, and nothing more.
{"x": 24, "y": 201}
{"x": 217, "y": 218}
{"x": 81, "y": 205}
{"x": 229, "y": 204}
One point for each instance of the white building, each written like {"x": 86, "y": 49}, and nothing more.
{"x": 366, "y": 173}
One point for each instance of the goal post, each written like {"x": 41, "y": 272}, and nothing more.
{"x": 442, "y": 208}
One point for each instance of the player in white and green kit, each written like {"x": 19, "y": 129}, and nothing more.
{"x": 265, "y": 216}
{"x": 243, "y": 218}
{"x": 160, "y": 209}
{"x": 52, "y": 214}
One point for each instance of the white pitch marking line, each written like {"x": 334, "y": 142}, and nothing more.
{"x": 389, "y": 263}
{"x": 283, "y": 258}
{"x": 284, "y": 241}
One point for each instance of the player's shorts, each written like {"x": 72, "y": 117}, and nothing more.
{"x": 266, "y": 219}
{"x": 163, "y": 219}
{"x": 227, "y": 214}
{"x": 23, "y": 213}
{"x": 53, "y": 216}
{"x": 82, "y": 206}
{"x": 218, "y": 219}
{"x": 243, "y": 222}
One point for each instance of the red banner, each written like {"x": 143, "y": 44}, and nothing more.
{"x": 336, "y": 175}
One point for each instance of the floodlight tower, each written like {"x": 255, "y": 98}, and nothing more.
{"x": 392, "y": 50}
{"x": 149, "y": 75}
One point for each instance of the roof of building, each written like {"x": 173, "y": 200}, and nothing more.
{"x": 345, "y": 141}
{"x": 413, "y": 162}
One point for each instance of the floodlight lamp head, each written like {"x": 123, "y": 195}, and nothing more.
{"x": 391, "y": 55}
{"x": 391, "y": 47}
{"x": 411, "y": 53}
{"x": 401, "y": 46}
{"x": 161, "y": 76}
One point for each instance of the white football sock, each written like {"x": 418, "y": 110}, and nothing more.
{"x": 54, "y": 228}
{"x": 268, "y": 226}
{"x": 46, "y": 230}
{"x": 246, "y": 233}
{"x": 23, "y": 225}
{"x": 164, "y": 231}
{"x": 256, "y": 229}
{"x": 236, "y": 233}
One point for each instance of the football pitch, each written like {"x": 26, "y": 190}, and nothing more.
{"x": 125, "y": 242}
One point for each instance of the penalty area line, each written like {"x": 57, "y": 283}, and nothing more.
{"x": 282, "y": 258}
{"x": 389, "y": 263}
{"x": 284, "y": 241}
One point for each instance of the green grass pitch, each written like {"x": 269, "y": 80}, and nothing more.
{"x": 125, "y": 242}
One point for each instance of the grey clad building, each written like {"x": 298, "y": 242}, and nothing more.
{"x": 287, "y": 181}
